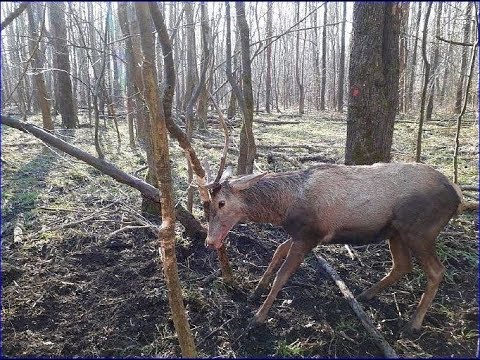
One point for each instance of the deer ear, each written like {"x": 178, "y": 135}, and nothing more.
{"x": 246, "y": 181}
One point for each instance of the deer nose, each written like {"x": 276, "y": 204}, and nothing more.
{"x": 209, "y": 243}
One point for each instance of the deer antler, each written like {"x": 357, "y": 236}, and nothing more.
{"x": 223, "y": 159}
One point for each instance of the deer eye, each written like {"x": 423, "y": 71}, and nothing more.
{"x": 221, "y": 204}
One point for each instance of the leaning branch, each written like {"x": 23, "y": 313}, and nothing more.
{"x": 453, "y": 42}
{"x": 380, "y": 341}
{"x": 14, "y": 14}
{"x": 192, "y": 226}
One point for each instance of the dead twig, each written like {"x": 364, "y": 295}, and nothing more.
{"x": 214, "y": 331}
{"x": 128, "y": 227}
{"x": 379, "y": 340}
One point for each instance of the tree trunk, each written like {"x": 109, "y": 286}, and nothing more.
{"x": 299, "y": 80}
{"x": 373, "y": 79}
{"x": 463, "y": 66}
{"x": 63, "y": 88}
{"x": 413, "y": 65}
{"x": 324, "y": 59}
{"x": 268, "y": 80}
{"x": 434, "y": 69}
{"x": 405, "y": 9}
{"x": 177, "y": 132}
{"x": 162, "y": 167}
{"x": 425, "y": 83}
{"x": 192, "y": 74}
{"x": 247, "y": 142}
{"x": 42, "y": 95}
{"x": 341, "y": 65}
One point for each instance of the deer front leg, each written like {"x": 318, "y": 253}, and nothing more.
{"x": 294, "y": 258}
{"x": 277, "y": 258}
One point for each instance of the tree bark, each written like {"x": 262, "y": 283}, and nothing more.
{"x": 162, "y": 167}
{"x": 373, "y": 78}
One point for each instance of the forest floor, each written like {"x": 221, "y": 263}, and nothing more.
{"x": 74, "y": 285}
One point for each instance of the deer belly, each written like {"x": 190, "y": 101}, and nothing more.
{"x": 360, "y": 236}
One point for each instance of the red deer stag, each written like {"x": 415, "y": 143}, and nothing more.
{"x": 409, "y": 204}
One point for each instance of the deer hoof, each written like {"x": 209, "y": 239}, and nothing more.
{"x": 258, "y": 319}
{"x": 257, "y": 293}
{"x": 364, "y": 296}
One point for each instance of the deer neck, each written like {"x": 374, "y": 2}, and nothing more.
{"x": 269, "y": 199}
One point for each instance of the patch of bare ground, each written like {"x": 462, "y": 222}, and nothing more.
{"x": 81, "y": 272}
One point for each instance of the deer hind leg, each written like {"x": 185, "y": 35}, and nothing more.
{"x": 402, "y": 264}
{"x": 277, "y": 258}
{"x": 294, "y": 258}
{"x": 434, "y": 271}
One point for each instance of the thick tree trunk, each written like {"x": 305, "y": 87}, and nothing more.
{"x": 247, "y": 140}
{"x": 373, "y": 78}
{"x": 63, "y": 88}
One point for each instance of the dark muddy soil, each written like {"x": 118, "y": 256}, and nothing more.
{"x": 72, "y": 285}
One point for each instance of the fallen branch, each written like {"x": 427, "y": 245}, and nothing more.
{"x": 321, "y": 158}
{"x": 307, "y": 147}
{"x": 277, "y": 122}
{"x": 379, "y": 340}
{"x": 126, "y": 228}
{"x": 147, "y": 190}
